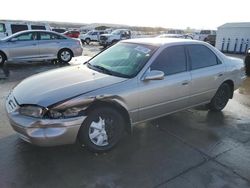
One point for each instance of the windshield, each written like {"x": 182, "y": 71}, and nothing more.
{"x": 88, "y": 33}
{"x": 205, "y": 32}
{"x": 116, "y": 32}
{"x": 122, "y": 60}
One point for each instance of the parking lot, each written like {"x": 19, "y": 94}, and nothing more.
{"x": 192, "y": 148}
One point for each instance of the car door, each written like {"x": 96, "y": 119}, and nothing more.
{"x": 159, "y": 97}
{"x": 49, "y": 44}
{"x": 207, "y": 73}
{"x": 94, "y": 36}
{"x": 24, "y": 46}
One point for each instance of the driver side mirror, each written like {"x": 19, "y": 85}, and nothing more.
{"x": 154, "y": 75}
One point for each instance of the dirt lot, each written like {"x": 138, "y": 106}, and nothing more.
{"x": 193, "y": 148}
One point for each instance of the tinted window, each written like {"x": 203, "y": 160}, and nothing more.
{"x": 2, "y": 27}
{"x": 39, "y": 27}
{"x": 18, "y": 27}
{"x": 201, "y": 56}
{"x": 171, "y": 60}
{"x": 50, "y": 36}
{"x": 122, "y": 59}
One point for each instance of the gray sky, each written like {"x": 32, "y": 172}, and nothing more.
{"x": 198, "y": 14}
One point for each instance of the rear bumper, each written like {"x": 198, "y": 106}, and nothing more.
{"x": 77, "y": 51}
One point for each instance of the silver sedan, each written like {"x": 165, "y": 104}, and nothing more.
{"x": 131, "y": 82}
{"x": 37, "y": 45}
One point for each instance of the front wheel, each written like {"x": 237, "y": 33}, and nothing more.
{"x": 2, "y": 58}
{"x": 247, "y": 65}
{"x": 221, "y": 97}
{"x": 65, "y": 55}
{"x": 102, "y": 129}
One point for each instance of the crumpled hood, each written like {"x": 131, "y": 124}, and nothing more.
{"x": 53, "y": 86}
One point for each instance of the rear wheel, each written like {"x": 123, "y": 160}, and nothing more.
{"x": 220, "y": 99}
{"x": 87, "y": 40}
{"x": 83, "y": 41}
{"x": 65, "y": 55}
{"x": 102, "y": 129}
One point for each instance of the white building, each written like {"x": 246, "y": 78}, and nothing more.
{"x": 233, "y": 37}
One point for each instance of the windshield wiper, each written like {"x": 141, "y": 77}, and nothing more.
{"x": 107, "y": 71}
{"x": 102, "y": 69}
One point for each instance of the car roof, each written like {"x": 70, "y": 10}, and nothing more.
{"x": 162, "y": 41}
{"x": 28, "y": 31}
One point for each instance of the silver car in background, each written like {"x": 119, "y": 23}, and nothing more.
{"x": 39, "y": 45}
{"x": 129, "y": 83}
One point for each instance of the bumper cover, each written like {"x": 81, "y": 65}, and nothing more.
{"x": 46, "y": 132}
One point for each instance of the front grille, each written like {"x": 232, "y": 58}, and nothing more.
{"x": 11, "y": 103}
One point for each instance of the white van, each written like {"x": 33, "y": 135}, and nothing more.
{"x": 8, "y": 28}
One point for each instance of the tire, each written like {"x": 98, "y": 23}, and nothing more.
{"x": 113, "y": 42}
{"x": 83, "y": 41}
{"x": 221, "y": 98}
{"x": 87, "y": 40}
{"x": 2, "y": 58}
{"x": 105, "y": 135}
{"x": 65, "y": 55}
{"x": 247, "y": 65}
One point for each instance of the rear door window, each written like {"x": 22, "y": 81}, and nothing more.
{"x": 38, "y": 27}
{"x": 18, "y": 27}
{"x": 50, "y": 36}
{"x": 201, "y": 56}
{"x": 171, "y": 60}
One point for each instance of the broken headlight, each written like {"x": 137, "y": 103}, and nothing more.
{"x": 67, "y": 113}
{"x": 32, "y": 111}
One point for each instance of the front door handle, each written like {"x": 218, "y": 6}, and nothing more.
{"x": 185, "y": 83}
{"x": 220, "y": 74}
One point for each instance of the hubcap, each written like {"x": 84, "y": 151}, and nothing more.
{"x": 97, "y": 133}
{"x": 221, "y": 98}
{"x": 65, "y": 55}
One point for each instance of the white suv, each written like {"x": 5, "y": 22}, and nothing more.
{"x": 115, "y": 36}
{"x": 8, "y": 28}
{"x": 91, "y": 36}
{"x": 205, "y": 33}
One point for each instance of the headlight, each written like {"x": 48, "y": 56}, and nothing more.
{"x": 33, "y": 111}
{"x": 68, "y": 113}
{"x": 248, "y": 51}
